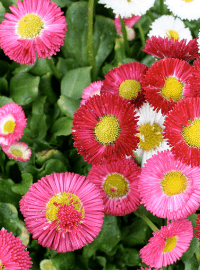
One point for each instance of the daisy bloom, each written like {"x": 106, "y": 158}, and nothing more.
{"x": 91, "y": 90}
{"x": 170, "y": 48}
{"x": 170, "y": 27}
{"x": 185, "y": 9}
{"x": 169, "y": 188}
{"x": 129, "y": 22}
{"x": 126, "y": 8}
{"x": 150, "y": 126}
{"x": 147, "y": 268}
{"x": 168, "y": 245}
{"x": 18, "y": 151}
{"x": 194, "y": 82}
{"x": 63, "y": 211}
{"x": 118, "y": 185}
{"x": 33, "y": 27}
{"x": 166, "y": 82}
{"x": 182, "y": 131}
{"x": 13, "y": 254}
{"x": 125, "y": 81}
{"x": 105, "y": 128}
{"x": 12, "y": 123}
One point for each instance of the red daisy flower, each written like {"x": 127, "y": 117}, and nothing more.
{"x": 166, "y": 82}
{"x": 194, "y": 82}
{"x": 118, "y": 185}
{"x": 182, "y": 130}
{"x": 125, "y": 81}
{"x": 105, "y": 128}
{"x": 170, "y": 48}
{"x": 13, "y": 254}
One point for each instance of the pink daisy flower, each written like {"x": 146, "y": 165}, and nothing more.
{"x": 13, "y": 254}
{"x": 169, "y": 188}
{"x": 63, "y": 211}
{"x": 129, "y": 22}
{"x": 170, "y": 48}
{"x": 182, "y": 131}
{"x": 12, "y": 123}
{"x": 168, "y": 245}
{"x": 125, "y": 81}
{"x": 147, "y": 268}
{"x": 34, "y": 26}
{"x": 166, "y": 82}
{"x": 118, "y": 185}
{"x": 93, "y": 89}
{"x": 18, "y": 151}
{"x": 105, "y": 128}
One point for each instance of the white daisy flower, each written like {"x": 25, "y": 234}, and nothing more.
{"x": 168, "y": 26}
{"x": 185, "y": 9}
{"x": 127, "y": 8}
{"x": 150, "y": 133}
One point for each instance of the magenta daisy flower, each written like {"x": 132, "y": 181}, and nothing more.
{"x": 105, "y": 128}
{"x": 169, "y": 188}
{"x": 170, "y": 48}
{"x": 118, "y": 185}
{"x": 12, "y": 123}
{"x": 93, "y": 89}
{"x": 13, "y": 254}
{"x": 125, "y": 81}
{"x": 182, "y": 131}
{"x": 63, "y": 211}
{"x": 168, "y": 245}
{"x": 18, "y": 151}
{"x": 166, "y": 82}
{"x": 33, "y": 27}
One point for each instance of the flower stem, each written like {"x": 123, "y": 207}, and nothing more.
{"x": 147, "y": 220}
{"x": 161, "y": 7}
{"x": 90, "y": 33}
{"x": 53, "y": 68}
{"x": 141, "y": 35}
{"x": 124, "y": 33}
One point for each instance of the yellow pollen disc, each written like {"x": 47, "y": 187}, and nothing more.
{"x": 174, "y": 183}
{"x": 62, "y": 198}
{"x": 170, "y": 244}
{"x": 172, "y": 33}
{"x": 188, "y": 1}
{"x": 107, "y": 129}
{"x": 9, "y": 127}
{"x": 129, "y": 89}
{"x": 150, "y": 136}
{"x": 172, "y": 89}
{"x": 17, "y": 153}
{"x": 191, "y": 133}
{"x": 115, "y": 185}
{"x": 30, "y": 26}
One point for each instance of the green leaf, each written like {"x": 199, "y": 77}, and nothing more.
{"x": 3, "y": 85}
{"x": 75, "y": 81}
{"x": 2, "y": 12}
{"x": 131, "y": 257}
{"x": 6, "y": 193}
{"x": 22, "y": 69}
{"x": 46, "y": 88}
{"x": 62, "y": 127}
{"x": 51, "y": 166}
{"x": 107, "y": 239}
{"x": 24, "y": 234}
{"x": 8, "y": 3}
{"x": 5, "y": 100}
{"x": 68, "y": 105}
{"x": 148, "y": 60}
{"x": 23, "y": 187}
{"x": 62, "y": 3}
{"x": 64, "y": 65}
{"x": 76, "y": 36}
{"x": 40, "y": 67}
{"x": 191, "y": 264}
{"x": 24, "y": 88}
{"x": 103, "y": 40}
{"x": 64, "y": 261}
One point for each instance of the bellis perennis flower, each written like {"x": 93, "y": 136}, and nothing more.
{"x": 18, "y": 151}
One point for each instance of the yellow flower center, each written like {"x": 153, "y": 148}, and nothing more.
{"x": 170, "y": 244}
{"x": 150, "y": 136}
{"x": 188, "y": 1}
{"x": 30, "y": 26}
{"x": 174, "y": 183}
{"x": 17, "y": 153}
{"x": 191, "y": 133}
{"x": 2, "y": 267}
{"x": 66, "y": 208}
{"x": 107, "y": 129}
{"x": 129, "y": 89}
{"x": 115, "y": 186}
{"x": 172, "y": 33}
{"x": 9, "y": 127}
{"x": 172, "y": 89}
